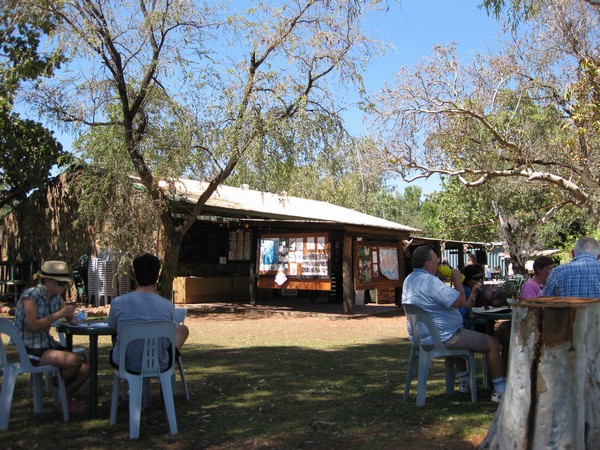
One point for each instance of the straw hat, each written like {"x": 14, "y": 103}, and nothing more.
{"x": 56, "y": 270}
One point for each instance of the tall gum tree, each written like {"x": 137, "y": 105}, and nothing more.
{"x": 529, "y": 112}
{"x": 224, "y": 75}
{"x": 552, "y": 398}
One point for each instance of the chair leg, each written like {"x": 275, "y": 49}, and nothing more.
{"x": 48, "y": 386}
{"x": 183, "y": 379}
{"x": 414, "y": 355}
{"x": 8, "y": 389}
{"x": 167, "y": 391}
{"x": 116, "y": 388}
{"x": 424, "y": 361}
{"x": 135, "y": 409}
{"x": 473, "y": 376}
{"x": 38, "y": 394}
{"x": 486, "y": 381}
{"x": 450, "y": 375}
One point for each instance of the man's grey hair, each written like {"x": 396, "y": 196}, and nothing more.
{"x": 421, "y": 255}
{"x": 587, "y": 245}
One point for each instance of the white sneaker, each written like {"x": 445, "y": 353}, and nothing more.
{"x": 496, "y": 397}
{"x": 464, "y": 388}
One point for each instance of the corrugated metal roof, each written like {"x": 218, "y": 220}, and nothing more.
{"x": 279, "y": 206}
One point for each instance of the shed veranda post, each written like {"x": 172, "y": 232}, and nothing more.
{"x": 552, "y": 397}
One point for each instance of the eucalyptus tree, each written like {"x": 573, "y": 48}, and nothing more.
{"x": 316, "y": 160}
{"x": 402, "y": 207}
{"x": 230, "y": 74}
{"x": 27, "y": 149}
{"x": 529, "y": 112}
{"x": 501, "y": 210}
{"x": 464, "y": 214}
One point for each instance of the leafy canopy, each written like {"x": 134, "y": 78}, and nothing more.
{"x": 28, "y": 150}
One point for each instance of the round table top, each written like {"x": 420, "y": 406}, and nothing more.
{"x": 99, "y": 327}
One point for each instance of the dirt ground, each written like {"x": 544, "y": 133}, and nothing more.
{"x": 302, "y": 324}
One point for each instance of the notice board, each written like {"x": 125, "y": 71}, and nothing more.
{"x": 294, "y": 261}
{"x": 376, "y": 264}
{"x": 297, "y": 255}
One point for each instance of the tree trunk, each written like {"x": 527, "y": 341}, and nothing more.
{"x": 552, "y": 397}
{"x": 169, "y": 269}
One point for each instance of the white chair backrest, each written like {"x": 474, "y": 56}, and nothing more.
{"x": 10, "y": 329}
{"x": 179, "y": 315}
{"x": 152, "y": 334}
{"x": 418, "y": 316}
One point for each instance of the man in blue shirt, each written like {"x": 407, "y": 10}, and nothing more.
{"x": 143, "y": 304}
{"x": 424, "y": 289}
{"x": 580, "y": 277}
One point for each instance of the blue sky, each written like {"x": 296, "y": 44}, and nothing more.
{"x": 414, "y": 27}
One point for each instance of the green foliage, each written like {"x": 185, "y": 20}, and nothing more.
{"x": 569, "y": 224}
{"x": 27, "y": 153}
{"x": 464, "y": 214}
{"x": 21, "y": 30}
{"x": 515, "y": 10}
{"x": 405, "y": 208}
{"x": 313, "y": 159}
{"x": 27, "y": 150}
{"x": 122, "y": 216}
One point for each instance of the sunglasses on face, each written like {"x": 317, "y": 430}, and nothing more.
{"x": 478, "y": 277}
{"x": 62, "y": 283}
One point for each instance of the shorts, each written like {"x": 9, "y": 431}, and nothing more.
{"x": 469, "y": 339}
{"x": 35, "y": 354}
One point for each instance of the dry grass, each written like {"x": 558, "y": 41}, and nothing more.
{"x": 268, "y": 382}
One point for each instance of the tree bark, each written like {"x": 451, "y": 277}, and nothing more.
{"x": 552, "y": 397}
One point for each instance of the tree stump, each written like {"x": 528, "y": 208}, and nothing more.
{"x": 552, "y": 397}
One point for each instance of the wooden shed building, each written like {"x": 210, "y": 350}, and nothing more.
{"x": 251, "y": 244}
{"x": 247, "y": 244}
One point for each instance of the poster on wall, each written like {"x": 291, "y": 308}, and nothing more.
{"x": 376, "y": 265}
{"x": 364, "y": 264}
{"x": 240, "y": 245}
{"x": 269, "y": 249}
{"x": 295, "y": 255}
{"x": 389, "y": 262}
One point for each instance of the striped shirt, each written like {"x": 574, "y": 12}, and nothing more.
{"x": 45, "y": 308}
{"x": 578, "y": 278}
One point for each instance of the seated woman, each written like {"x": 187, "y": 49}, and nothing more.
{"x": 37, "y": 310}
{"x": 542, "y": 266}
{"x": 472, "y": 285}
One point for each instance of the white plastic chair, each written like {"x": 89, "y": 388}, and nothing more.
{"x": 152, "y": 334}
{"x": 179, "y": 318}
{"x": 424, "y": 354}
{"x": 24, "y": 365}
